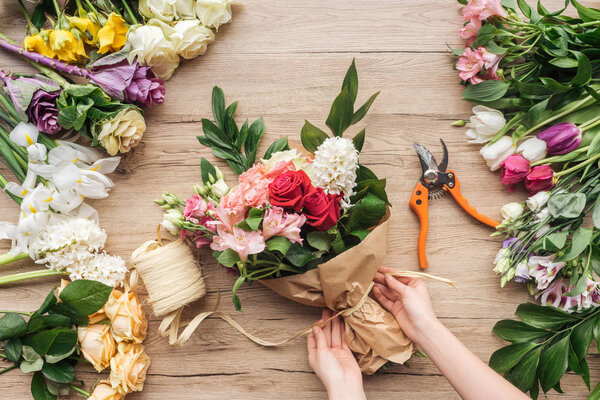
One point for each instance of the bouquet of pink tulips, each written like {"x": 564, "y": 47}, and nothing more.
{"x": 535, "y": 77}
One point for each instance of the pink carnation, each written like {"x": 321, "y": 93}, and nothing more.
{"x": 278, "y": 223}
{"x": 242, "y": 242}
{"x": 255, "y": 194}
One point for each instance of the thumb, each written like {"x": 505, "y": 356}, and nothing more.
{"x": 396, "y": 285}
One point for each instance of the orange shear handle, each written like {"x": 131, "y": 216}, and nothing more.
{"x": 455, "y": 191}
{"x": 419, "y": 203}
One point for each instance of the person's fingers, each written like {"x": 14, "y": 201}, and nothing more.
{"x": 335, "y": 334}
{"x": 387, "y": 292}
{"x": 384, "y": 301}
{"x": 326, "y": 315}
{"x": 311, "y": 345}
{"x": 320, "y": 338}
{"x": 386, "y": 270}
{"x": 379, "y": 278}
{"x": 396, "y": 285}
{"x": 342, "y": 330}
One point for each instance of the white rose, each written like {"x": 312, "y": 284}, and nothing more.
{"x": 485, "y": 124}
{"x": 495, "y": 153}
{"x": 191, "y": 38}
{"x": 159, "y": 9}
{"x": 123, "y": 132}
{"x": 285, "y": 155}
{"x": 537, "y": 201}
{"x": 213, "y": 13}
{"x": 150, "y": 46}
{"x": 511, "y": 211}
{"x": 533, "y": 149}
{"x": 184, "y": 9}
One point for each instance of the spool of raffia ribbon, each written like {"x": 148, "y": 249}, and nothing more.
{"x": 173, "y": 280}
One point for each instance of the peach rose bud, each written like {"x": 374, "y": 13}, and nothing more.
{"x": 128, "y": 320}
{"x": 97, "y": 345}
{"x": 128, "y": 368}
{"x": 104, "y": 391}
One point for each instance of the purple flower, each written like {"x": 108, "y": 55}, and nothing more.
{"x": 43, "y": 112}
{"x": 145, "y": 88}
{"x": 561, "y": 138}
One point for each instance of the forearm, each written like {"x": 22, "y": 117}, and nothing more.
{"x": 469, "y": 376}
{"x": 341, "y": 393}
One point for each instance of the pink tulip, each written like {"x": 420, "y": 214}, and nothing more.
{"x": 469, "y": 65}
{"x": 540, "y": 178}
{"x": 514, "y": 169}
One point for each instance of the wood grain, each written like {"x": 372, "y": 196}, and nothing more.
{"x": 284, "y": 60}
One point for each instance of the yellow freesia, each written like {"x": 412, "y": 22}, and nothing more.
{"x": 88, "y": 28}
{"x": 66, "y": 46}
{"x": 113, "y": 35}
{"x": 37, "y": 44}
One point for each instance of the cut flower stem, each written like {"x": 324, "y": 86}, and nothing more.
{"x": 9, "y": 258}
{"x": 30, "y": 275}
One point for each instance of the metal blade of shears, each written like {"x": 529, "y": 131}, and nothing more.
{"x": 427, "y": 159}
{"x": 444, "y": 164}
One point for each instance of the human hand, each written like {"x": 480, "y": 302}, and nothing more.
{"x": 333, "y": 362}
{"x": 408, "y": 300}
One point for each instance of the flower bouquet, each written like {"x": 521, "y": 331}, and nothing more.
{"x": 309, "y": 222}
{"x": 534, "y": 78}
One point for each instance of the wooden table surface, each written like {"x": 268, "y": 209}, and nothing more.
{"x": 285, "y": 60}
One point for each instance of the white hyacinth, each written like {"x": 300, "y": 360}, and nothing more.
{"x": 334, "y": 168}
{"x": 100, "y": 267}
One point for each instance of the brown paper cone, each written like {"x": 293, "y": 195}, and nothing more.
{"x": 372, "y": 333}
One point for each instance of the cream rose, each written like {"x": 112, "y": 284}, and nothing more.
{"x": 151, "y": 47}
{"x": 97, "y": 345}
{"x": 184, "y": 9}
{"x": 214, "y": 13}
{"x": 128, "y": 321}
{"x": 128, "y": 368}
{"x": 123, "y": 132}
{"x": 159, "y": 9}
{"x": 191, "y": 38}
{"x": 104, "y": 391}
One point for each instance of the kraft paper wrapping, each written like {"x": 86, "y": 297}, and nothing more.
{"x": 372, "y": 332}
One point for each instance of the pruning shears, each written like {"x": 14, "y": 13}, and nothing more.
{"x": 435, "y": 181}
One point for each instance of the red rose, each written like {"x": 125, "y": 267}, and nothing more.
{"x": 322, "y": 210}
{"x": 289, "y": 189}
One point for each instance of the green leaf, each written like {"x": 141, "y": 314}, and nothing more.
{"x": 351, "y": 81}
{"x": 363, "y": 110}
{"x": 363, "y": 173}
{"x": 236, "y": 300}
{"x": 216, "y": 135}
{"x": 255, "y": 134}
{"x": 555, "y": 241}
{"x": 518, "y": 332}
{"x": 361, "y": 234}
{"x": 341, "y": 113}
{"x": 12, "y": 349}
{"x": 524, "y": 7}
{"x": 367, "y": 213}
{"x": 554, "y": 363}
{"x": 39, "y": 390}
{"x": 595, "y": 395}
{"x": 85, "y": 296}
{"x": 319, "y": 240}
{"x": 61, "y": 372}
{"x": 580, "y": 241}
{"x": 255, "y": 217}
{"x": 485, "y": 34}
{"x": 507, "y": 357}
{"x": 299, "y": 256}
{"x": 584, "y": 71}
{"x": 12, "y": 325}
{"x": 280, "y": 244}
{"x": 228, "y": 258}
{"x": 207, "y": 169}
{"x": 586, "y": 14}
{"x": 37, "y": 323}
{"x": 280, "y": 144}
{"x": 48, "y": 303}
{"x": 579, "y": 367}
{"x": 523, "y": 375}
{"x": 68, "y": 311}
{"x": 594, "y": 146}
{"x": 32, "y": 361}
{"x": 56, "y": 341}
{"x": 543, "y": 317}
{"x": 596, "y": 212}
{"x": 486, "y": 91}
{"x": 566, "y": 205}
{"x": 218, "y": 106}
{"x": 359, "y": 140}
{"x": 581, "y": 337}
{"x": 312, "y": 137}
{"x": 564, "y": 62}
{"x": 580, "y": 287}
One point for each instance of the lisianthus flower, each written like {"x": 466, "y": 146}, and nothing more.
{"x": 242, "y": 242}
{"x": 195, "y": 208}
{"x": 522, "y": 273}
{"x": 43, "y": 111}
{"x": 123, "y": 132}
{"x": 152, "y": 48}
{"x": 66, "y": 47}
{"x": 537, "y": 201}
{"x": 276, "y": 222}
{"x": 469, "y": 64}
{"x": 214, "y": 13}
{"x": 191, "y": 38}
{"x": 113, "y": 35}
{"x": 511, "y": 212}
{"x": 145, "y": 88}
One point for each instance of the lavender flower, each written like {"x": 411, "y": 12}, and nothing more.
{"x": 21, "y": 89}
{"x": 145, "y": 88}
{"x": 561, "y": 138}
{"x": 43, "y": 111}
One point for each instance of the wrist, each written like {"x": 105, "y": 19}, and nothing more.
{"x": 428, "y": 332}
{"x": 345, "y": 393}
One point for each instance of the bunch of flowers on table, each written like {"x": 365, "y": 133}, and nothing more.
{"x": 156, "y": 34}
{"x": 104, "y": 325}
{"x": 533, "y": 78}
{"x": 309, "y": 222}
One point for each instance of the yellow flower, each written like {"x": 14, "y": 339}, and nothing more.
{"x": 97, "y": 345}
{"x": 104, "y": 391}
{"x": 127, "y": 318}
{"x": 122, "y": 133}
{"x": 128, "y": 368}
{"x": 36, "y": 43}
{"x": 113, "y": 35}
{"x": 66, "y": 46}
{"x": 89, "y": 29}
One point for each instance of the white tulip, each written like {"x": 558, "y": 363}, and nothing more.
{"x": 184, "y": 9}
{"x": 537, "y": 201}
{"x": 150, "y": 46}
{"x": 163, "y": 10}
{"x": 533, "y": 149}
{"x": 494, "y": 154}
{"x": 24, "y": 134}
{"x": 485, "y": 124}
{"x": 191, "y": 38}
{"x": 511, "y": 211}
{"x": 214, "y": 13}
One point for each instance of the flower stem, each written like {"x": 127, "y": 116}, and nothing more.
{"x": 3, "y": 183}
{"x": 590, "y": 124}
{"x": 28, "y": 314}
{"x": 9, "y": 107}
{"x": 26, "y": 13}
{"x": 80, "y": 391}
{"x": 9, "y": 258}
{"x": 576, "y": 167}
{"x": 584, "y": 24}
{"x": 129, "y": 12}
{"x": 30, "y": 275}
{"x": 557, "y": 116}
{"x": 7, "y": 369}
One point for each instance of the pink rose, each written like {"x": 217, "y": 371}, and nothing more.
{"x": 280, "y": 168}
{"x": 256, "y": 194}
{"x": 233, "y": 199}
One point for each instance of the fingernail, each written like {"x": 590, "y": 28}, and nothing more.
{"x": 315, "y": 330}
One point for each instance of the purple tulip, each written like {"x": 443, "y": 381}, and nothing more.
{"x": 561, "y": 138}
{"x": 43, "y": 111}
{"x": 145, "y": 88}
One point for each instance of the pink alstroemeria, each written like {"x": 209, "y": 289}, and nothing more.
{"x": 276, "y": 222}
{"x": 470, "y": 64}
{"x": 469, "y": 31}
{"x": 491, "y": 62}
{"x": 554, "y": 296}
{"x": 483, "y": 9}
{"x": 544, "y": 270}
{"x": 242, "y": 242}
{"x": 229, "y": 217}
